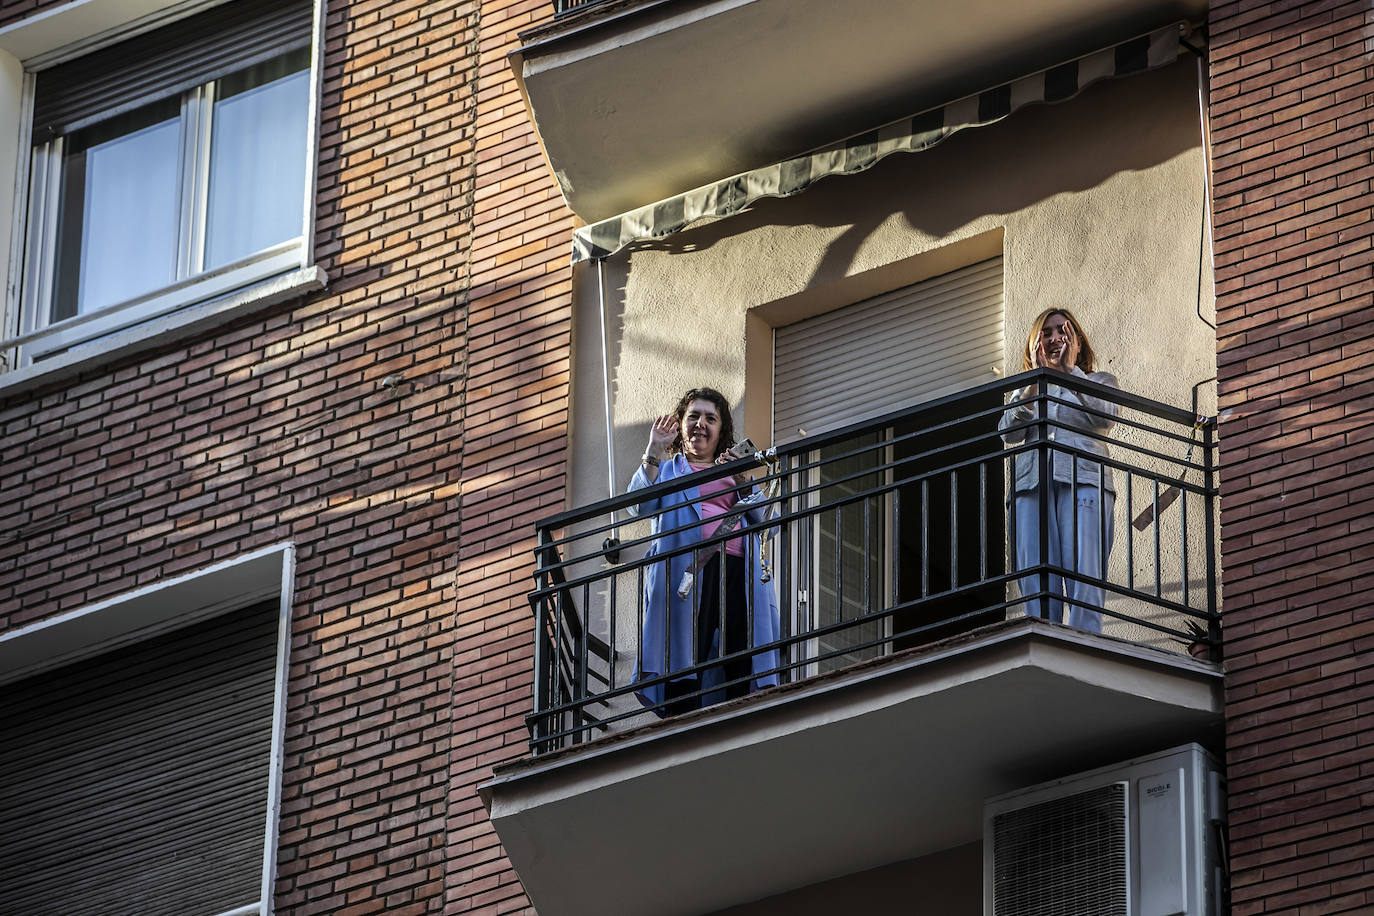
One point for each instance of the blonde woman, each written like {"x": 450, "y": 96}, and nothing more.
{"x": 1081, "y": 499}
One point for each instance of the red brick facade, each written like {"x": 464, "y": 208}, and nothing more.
{"x": 446, "y": 245}
{"x": 1291, "y": 111}
{"x": 514, "y": 453}
{"x": 278, "y": 428}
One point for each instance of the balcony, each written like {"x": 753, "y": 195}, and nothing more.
{"x": 637, "y": 101}
{"x": 912, "y": 682}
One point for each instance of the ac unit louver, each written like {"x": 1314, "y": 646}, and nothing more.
{"x": 1139, "y": 838}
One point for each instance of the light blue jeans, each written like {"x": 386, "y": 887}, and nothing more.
{"x": 1084, "y": 555}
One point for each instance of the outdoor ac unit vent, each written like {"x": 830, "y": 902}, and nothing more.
{"x": 1140, "y": 838}
{"x": 1064, "y": 857}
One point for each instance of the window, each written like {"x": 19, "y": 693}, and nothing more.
{"x": 890, "y": 501}
{"x": 137, "y": 781}
{"x": 846, "y": 552}
{"x": 141, "y": 745}
{"x": 166, "y": 170}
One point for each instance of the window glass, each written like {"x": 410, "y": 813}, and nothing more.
{"x": 850, "y": 550}
{"x": 257, "y": 173}
{"x": 167, "y": 169}
{"x": 118, "y": 210}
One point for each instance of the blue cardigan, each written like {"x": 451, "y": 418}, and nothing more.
{"x": 675, "y": 510}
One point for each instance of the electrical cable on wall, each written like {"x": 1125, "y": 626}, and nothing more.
{"x": 1205, "y": 257}
{"x": 1204, "y": 242}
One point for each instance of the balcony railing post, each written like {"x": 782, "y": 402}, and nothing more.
{"x": 580, "y": 687}
{"x": 1209, "y": 516}
{"x": 1042, "y": 522}
{"x": 541, "y": 727}
{"x": 782, "y": 565}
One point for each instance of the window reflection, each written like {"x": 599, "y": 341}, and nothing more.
{"x": 117, "y": 223}
{"x": 257, "y": 175}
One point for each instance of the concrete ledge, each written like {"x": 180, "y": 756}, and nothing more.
{"x": 164, "y": 329}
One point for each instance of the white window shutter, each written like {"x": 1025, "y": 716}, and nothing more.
{"x": 901, "y": 348}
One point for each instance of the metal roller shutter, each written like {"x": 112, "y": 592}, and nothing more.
{"x": 167, "y": 62}
{"x": 901, "y": 348}
{"x": 137, "y": 781}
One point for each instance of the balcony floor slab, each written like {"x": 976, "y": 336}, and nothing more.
{"x": 877, "y": 763}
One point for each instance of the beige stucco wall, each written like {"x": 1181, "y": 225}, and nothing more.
{"x": 1095, "y": 204}
{"x": 1099, "y": 198}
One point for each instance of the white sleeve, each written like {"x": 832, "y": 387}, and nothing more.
{"x": 1017, "y": 413}
{"x": 1097, "y": 405}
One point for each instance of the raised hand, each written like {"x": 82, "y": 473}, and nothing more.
{"x": 662, "y": 432}
{"x": 1057, "y": 345}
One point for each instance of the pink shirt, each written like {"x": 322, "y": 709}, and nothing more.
{"x": 718, "y": 498}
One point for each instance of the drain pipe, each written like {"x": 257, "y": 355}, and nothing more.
{"x": 611, "y": 545}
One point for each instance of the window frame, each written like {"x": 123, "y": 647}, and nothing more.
{"x": 30, "y": 345}
{"x": 810, "y": 563}
{"x": 261, "y": 575}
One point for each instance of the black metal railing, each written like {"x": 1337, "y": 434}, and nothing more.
{"x": 564, "y": 7}
{"x": 895, "y": 533}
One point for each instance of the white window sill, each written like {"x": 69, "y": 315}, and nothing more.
{"x": 168, "y": 328}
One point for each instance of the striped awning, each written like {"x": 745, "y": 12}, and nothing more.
{"x": 863, "y": 151}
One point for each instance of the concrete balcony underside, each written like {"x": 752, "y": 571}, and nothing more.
{"x": 879, "y": 763}
{"x": 636, "y": 101}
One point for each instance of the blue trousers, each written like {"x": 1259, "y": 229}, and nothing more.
{"x": 1080, "y": 546}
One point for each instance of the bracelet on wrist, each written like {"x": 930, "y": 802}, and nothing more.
{"x": 649, "y": 460}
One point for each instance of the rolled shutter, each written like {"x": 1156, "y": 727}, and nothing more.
{"x": 166, "y": 62}
{"x": 900, "y": 348}
{"x": 137, "y": 781}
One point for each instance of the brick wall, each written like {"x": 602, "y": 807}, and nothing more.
{"x": 16, "y": 10}
{"x": 277, "y": 428}
{"x": 514, "y": 454}
{"x": 1291, "y": 110}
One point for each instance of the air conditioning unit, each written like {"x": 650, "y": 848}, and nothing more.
{"x": 1141, "y": 838}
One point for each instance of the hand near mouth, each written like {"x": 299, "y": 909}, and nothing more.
{"x": 1043, "y": 360}
{"x": 1071, "y": 348}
